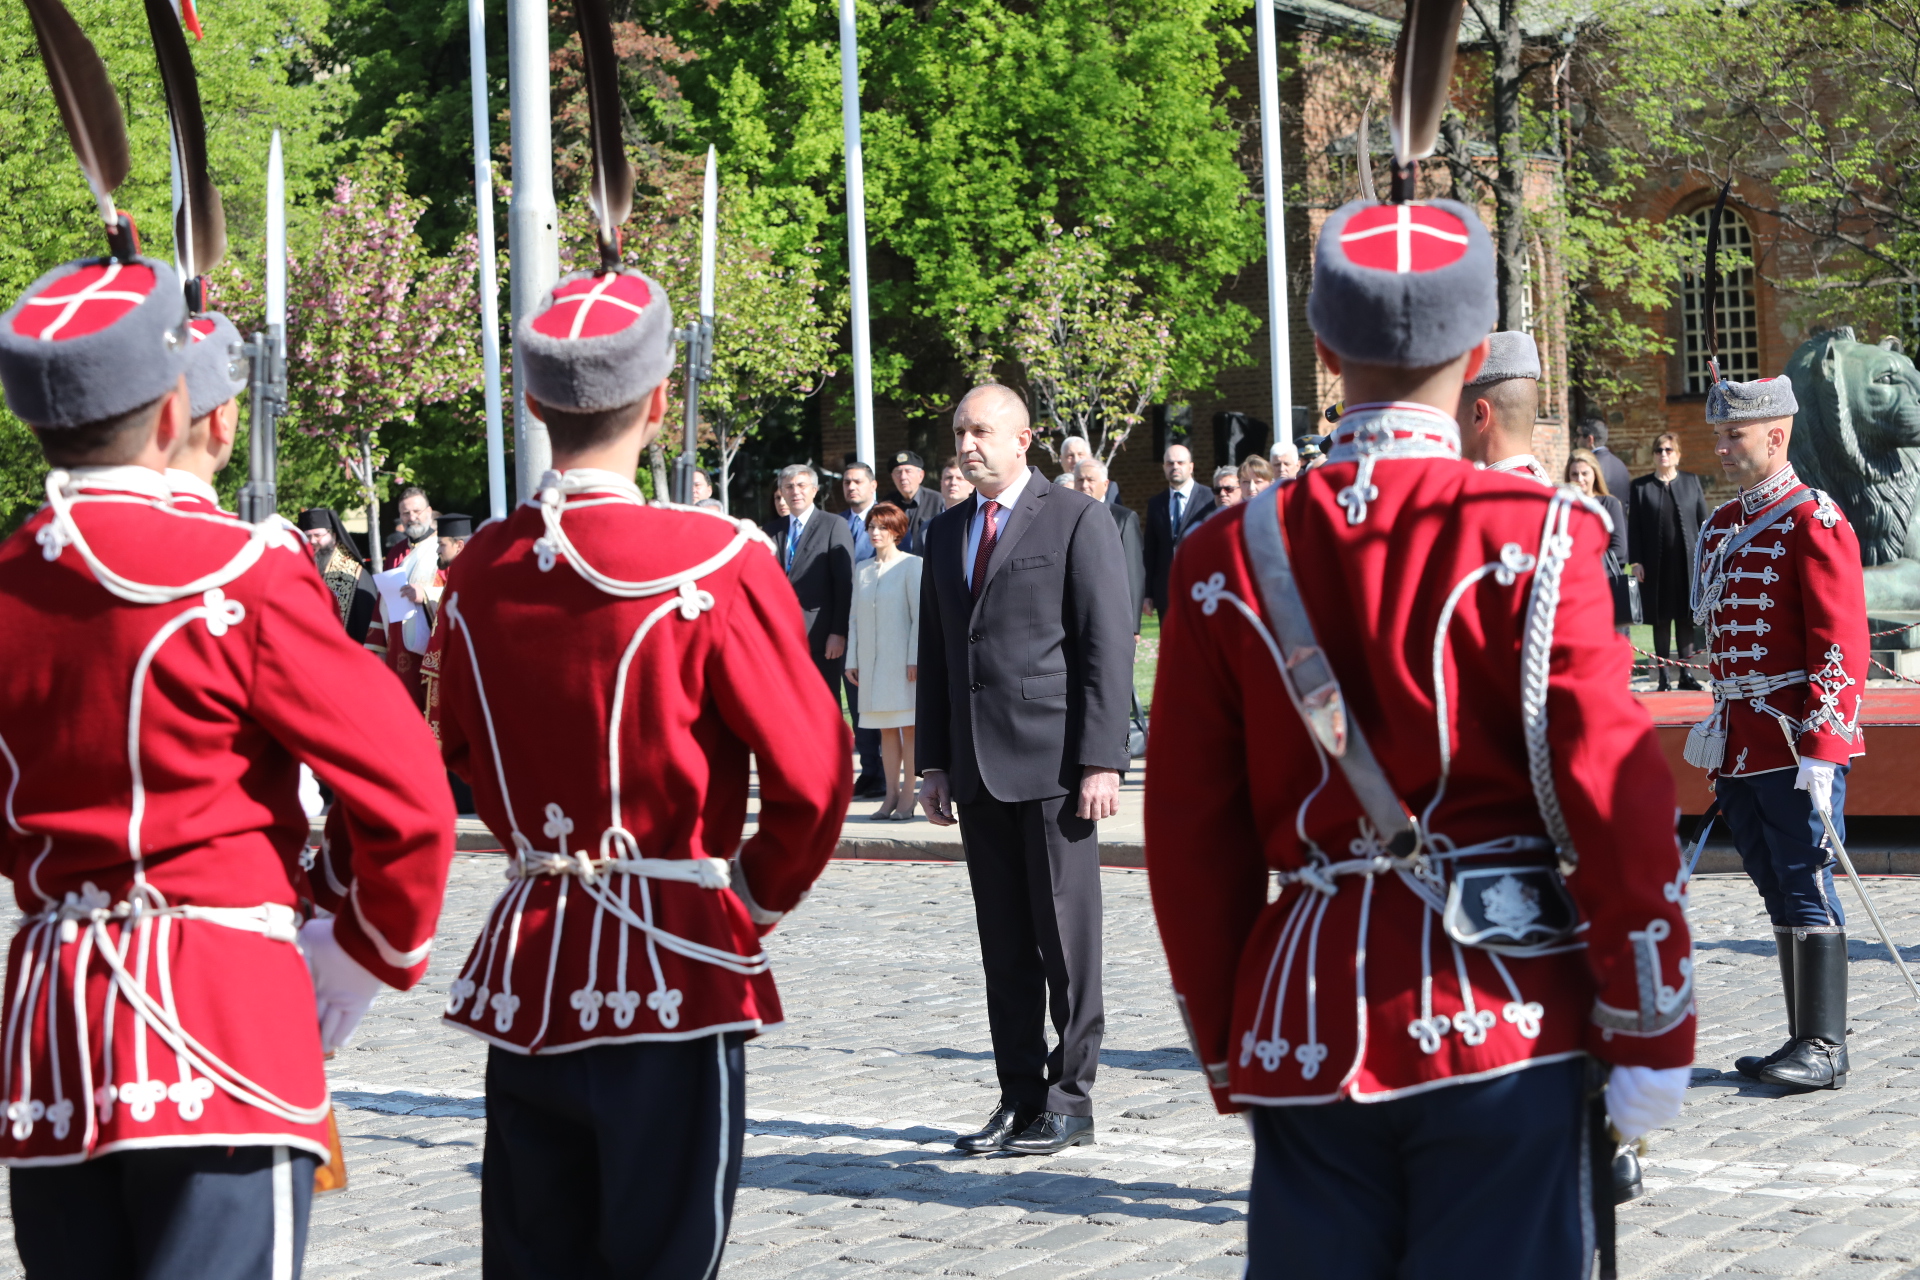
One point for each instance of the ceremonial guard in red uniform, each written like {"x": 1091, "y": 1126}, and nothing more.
{"x": 162, "y": 1058}
{"x": 605, "y": 667}
{"x": 216, "y": 376}
{"x": 1392, "y": 701}
{"x": 1778, "y": 588}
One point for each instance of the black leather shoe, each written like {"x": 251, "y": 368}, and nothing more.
{"x": 1051, "y": 1132}
{"x": 1627, "y": 1184}
{"x": 1688, "y": 683}
{"x": 1811, "y": 1063}
{"x": 869, "y": 789}
{"x": 1753, "y": 1064}
{"x": 1003, "y": 1124}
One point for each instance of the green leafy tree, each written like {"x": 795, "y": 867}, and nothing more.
{"x": 980, "y": 119}
{"x": 377, "y": 327}
{"x": 1813, "y": 110}
{"x": 256, "y": 70}
{"x": 1093, "y": 357}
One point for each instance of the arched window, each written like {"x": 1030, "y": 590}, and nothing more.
{"x": 1737, "y": 317}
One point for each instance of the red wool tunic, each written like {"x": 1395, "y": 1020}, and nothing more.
{"x": 1780, "y": 594}
{"x": 153, "y": 828}
{"x": 605, "y": 726}
{"x": 1359, "y": 992}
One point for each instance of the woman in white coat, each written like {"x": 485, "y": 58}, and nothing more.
{"x": 883, "y": 638}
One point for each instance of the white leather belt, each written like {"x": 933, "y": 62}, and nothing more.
{"x": 273, "y": 920}
{"x": 1755, "y": 685}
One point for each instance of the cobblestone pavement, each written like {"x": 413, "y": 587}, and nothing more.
{"x": 853, "y": 1104}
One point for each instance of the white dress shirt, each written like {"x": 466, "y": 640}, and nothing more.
{"x": 977, "y": 526}
{"x": 1186, "y": 506}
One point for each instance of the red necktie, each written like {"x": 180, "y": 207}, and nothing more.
{"x": 988, "y": 536}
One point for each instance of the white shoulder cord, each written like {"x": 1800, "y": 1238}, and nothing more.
{"x": 63, "y": 531}
{"x": 556, "y": 544}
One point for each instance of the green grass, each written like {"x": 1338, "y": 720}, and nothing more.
{"x": 1146, "y": 661}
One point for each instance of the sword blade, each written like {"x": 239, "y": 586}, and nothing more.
{"x": 276, "y": 235}
{"x": 1699, "y": 845}
{"x": 1840, "y": 850}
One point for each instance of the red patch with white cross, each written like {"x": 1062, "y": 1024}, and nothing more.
{"x": 1404, "y": 238}
{"x": 202, "y": 329}
{"x": 594, "y": 306}
{"x": 89, "y": 300}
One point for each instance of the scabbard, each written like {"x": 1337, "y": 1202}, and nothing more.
{"x": 331, "y": 1176}
{"x": 1600, "y": 1148}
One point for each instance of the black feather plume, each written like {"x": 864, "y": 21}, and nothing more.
{"x": 200, "y": 227}
{"x": 88, "y": 105}
{"x": 1422, "y": 78}
{"x": 611, "y": 191}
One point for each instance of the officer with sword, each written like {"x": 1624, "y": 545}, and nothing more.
{"x": 1777, "y": 585}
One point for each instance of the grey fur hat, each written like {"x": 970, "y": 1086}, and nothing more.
{"x": 1510, "y": 354}
{"x": 216, "y": 368}
{"x": 1750, "y": 401}
{"x": 93, "y": 339}
{"x": 597, "y": 341}
{"x": 1405, "y": 285}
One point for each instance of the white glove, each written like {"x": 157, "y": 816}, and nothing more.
{"x": 1643, "y": 1098}
{"x": 1816, "y": 779}
{"x": 343, "y": 991}
{"x": 310, "y": 798}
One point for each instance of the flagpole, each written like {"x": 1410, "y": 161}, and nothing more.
{"x": 698, "y": 336}
{"x": 856, "y": 234}
{"x": 1279, "y": 346}
{"x": 709, "y": 229}
{"x": 533, "y": 238}
{"x": 489, "y": 286}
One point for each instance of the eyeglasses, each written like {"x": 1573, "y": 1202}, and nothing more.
{"x": 1666, "y": 448}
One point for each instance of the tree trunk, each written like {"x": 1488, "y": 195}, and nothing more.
{"x": 374, "y": 541}
{"x": 1509, "y": 188}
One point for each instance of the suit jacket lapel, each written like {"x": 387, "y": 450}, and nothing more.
{"x": 811, "y": 534}
{"x": 1024, "y": 513}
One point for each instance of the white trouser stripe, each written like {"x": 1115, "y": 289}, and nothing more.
{"x": 282, "y": 1215}
{"x": 720, "y": 1168}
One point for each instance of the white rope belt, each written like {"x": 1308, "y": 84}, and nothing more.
{"x": 273, "y": 920}
{"x": 1755, "y": 685}
{"x": 708, "y": 873}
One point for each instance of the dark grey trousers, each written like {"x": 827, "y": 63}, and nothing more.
{"x": 1035, "y": 871}
{"x": 168, "y": 1213}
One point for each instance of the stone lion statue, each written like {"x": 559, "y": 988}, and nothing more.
{"x": 1857, "y": 436}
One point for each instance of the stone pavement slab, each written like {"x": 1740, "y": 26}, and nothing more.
{"x": 853, "y": 1105}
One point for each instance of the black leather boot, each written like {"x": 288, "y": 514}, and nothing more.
{"x": 1783, "y": 948}
{"x": 1818, "y": 1059}
{"x": 1627, "y": 1184}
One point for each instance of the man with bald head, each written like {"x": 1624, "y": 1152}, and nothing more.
{"x": 1170, "y": 514}
{"x": 1026, "y": 678}
{"x": 1498, "y": 406}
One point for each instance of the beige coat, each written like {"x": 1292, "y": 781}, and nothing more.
{"x": 883, "y": 632}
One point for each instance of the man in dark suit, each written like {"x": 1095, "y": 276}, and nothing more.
{"x": 1075, "y": 450}
{"x": 1181, "y": 506}
{"x": 1664, "y": 513}
{"x": 1090, "y": 478}
{"x": 1592, "y": 434}
{"x": 816, "y": 550}
{"x": 1024, "y": 688}
{"x": 912, "y": 496}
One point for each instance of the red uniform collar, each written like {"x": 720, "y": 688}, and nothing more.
{"x": 1769, "y": 491}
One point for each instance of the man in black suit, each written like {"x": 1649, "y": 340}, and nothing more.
{"x": 816, "y": 549}
{"x": 1024, "y": 688}
{"x": 1664, "y": 513}
{"x": 912, "y": 496}
{"x": 1090, "y": 478}
{"x": 1181, "y": 506}
{"x": 1075, "y": 450}
{"x": 1592, "y": 434}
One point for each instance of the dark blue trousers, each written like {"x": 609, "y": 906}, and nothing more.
{"x": 615, "y": 1162}
{"x": 866, "y": 742}
{"x": 1478, "y": 1181}
{"x": 1782, "y": 844}
{"x": 170, "y": 1213}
